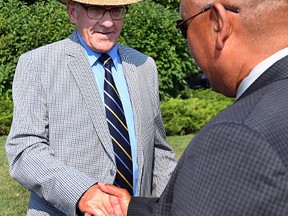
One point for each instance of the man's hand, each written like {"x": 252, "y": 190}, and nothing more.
{"x": 119, "y": 198}
{"x": 95, "y": 202}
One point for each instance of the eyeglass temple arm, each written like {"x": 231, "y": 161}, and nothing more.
{"x": 232, "y": 9}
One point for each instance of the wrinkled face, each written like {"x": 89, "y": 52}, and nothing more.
{"x": 99, "y": 35}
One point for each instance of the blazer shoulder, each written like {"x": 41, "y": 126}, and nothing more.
{"x": 129, "y": 51}
{"x": 133, "y": 56}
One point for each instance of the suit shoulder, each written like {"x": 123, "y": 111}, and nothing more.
{"x": 133, "y": 55}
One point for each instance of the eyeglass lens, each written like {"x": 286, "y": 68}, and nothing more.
{"x": 97, "y": 13}
{"x": 116, "y": 13}
{"x": 182, "y": 28}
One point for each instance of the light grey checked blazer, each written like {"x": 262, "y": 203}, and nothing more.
{"x": 59, "y": 144}
{"x": 237, "y": 165}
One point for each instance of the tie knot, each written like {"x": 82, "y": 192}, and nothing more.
{"x": 105, "y": 60}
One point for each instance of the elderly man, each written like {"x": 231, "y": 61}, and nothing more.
{"x": 238, "y": 163}
{"x": 86, "y": 109}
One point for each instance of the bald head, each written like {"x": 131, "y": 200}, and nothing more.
{"x": 257, "y": 16}
{"x": 228, "y": 45}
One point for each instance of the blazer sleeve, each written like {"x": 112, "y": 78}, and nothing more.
{"x": 33, "y": 162}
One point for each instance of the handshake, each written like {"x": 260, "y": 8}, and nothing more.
{"x": 104, "y": 200}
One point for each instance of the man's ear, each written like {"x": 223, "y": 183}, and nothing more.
{"x": 71, "y": 9}
{"x": 221, "y": 22}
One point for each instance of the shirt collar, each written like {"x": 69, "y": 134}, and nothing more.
{"x": 93, "y": 56}
{"x": 260, "y": 69}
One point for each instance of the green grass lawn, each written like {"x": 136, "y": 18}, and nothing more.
{"x": 179, "y": 143}
{"x": 14, "y": 198}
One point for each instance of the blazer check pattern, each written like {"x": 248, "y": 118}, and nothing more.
{"x": 237, "y": 165}
{"x": 59, "y": 144}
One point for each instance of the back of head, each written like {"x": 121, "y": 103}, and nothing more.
{"x": 263, "y": 20}
{"x": 228, "y": 45}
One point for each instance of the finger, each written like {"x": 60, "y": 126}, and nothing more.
{"x": 110, "y": 189}
{"x": 116, "y": 206}
{"x": 96, "y": 212}
{"x": 107, "y": 205}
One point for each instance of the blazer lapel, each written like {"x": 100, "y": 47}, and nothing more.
{"x": 83, "y": 74}
{"x": 130, "y": 73}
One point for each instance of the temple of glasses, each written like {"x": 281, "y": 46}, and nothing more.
{"x": 97, "y": 12}
{"x": 182, "y": 26}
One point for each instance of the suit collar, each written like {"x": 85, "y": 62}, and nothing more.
{"x": 260, "y": 69}
{"x": 277, "y": 71}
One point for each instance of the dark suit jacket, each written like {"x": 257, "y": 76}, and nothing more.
{"x": 237, "y": 164}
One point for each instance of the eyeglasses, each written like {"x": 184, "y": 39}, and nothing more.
{"x": 182, "y": 25}
{"x": 96, "y": 12}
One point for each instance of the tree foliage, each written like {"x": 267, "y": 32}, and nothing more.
{"x": 148, "y": 27}
{"x": 24, "y": 27}
{"x": 173, "y": 4}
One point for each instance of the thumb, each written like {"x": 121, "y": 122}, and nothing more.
{"x": 111, "y": 189}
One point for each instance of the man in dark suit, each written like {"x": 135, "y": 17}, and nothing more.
{"x": 238, "y": 163}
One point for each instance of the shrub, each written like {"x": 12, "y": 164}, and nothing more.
{"x": 23, "y": 28}
{"x": 173, "y": 4}
{"x": 185, "y": 116}
{"x": 5, "y": 113}
{"x": 150, "y": 28}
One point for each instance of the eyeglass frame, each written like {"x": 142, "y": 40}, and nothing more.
{"x": 182, "y": 28}
{"x": 86, "y": 7}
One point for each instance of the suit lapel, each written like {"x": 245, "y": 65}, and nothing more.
{"x": 130, "y": 73}
{"x": 83, "y": 74}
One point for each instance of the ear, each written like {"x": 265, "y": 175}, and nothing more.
{"x": 72, "y": 12}
{"x": 221, "y": 24}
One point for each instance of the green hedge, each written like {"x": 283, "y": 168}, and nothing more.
{"x": 186, "y": 116}
{"x": 181, "y": 116}
{"x": 6, "y": 110}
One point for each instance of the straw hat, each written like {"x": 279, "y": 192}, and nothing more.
{"x": 103, "y": 2}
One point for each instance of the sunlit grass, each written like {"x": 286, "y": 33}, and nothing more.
{"x": 179, "y": 143}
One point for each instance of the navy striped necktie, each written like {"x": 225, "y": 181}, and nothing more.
{"x": 118, "y": 128}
